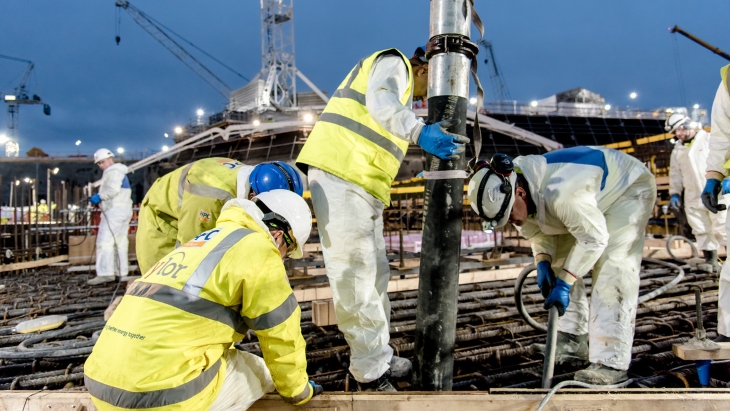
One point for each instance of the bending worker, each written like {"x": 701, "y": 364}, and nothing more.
{"x": 188, "y": 201}
{"x": 687, "y": 167}
{"x": 169, "y": 344}
{"x": 582, "y": 208}
{"x": 115, "y": 199}
{"x": 718, "y": 163}
{"x": 352, "y": 157}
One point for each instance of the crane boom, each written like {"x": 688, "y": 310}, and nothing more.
{"x": 499, "y": 87}
{"x": 26, "y": 75}
{"x": 176, "y": 49}
{"x": 701, "y": 42}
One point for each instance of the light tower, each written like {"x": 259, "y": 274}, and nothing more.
{"x": 278, "y": 69}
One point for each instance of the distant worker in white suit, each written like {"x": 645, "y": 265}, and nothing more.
{"x": 718, "y": 163}
{"x": 687, "y": 167}
{"x": 115, "y": 199}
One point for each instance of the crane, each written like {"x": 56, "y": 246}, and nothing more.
{"x": 14, "y": 101}
{"x": 155, "y": 29}
{"x": 677, "y": 29}
{"x": 499, "y": 87}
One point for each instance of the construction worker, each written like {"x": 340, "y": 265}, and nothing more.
{"x": 718, "y": 162}
{"x": 115, "y": 199}
{"x": 352, "y": 157}
{"x": 188, "y": 201}
{"x": 582, "y": 208}
{"x": 169, "y": 344}
{"x": 687, "y": 167}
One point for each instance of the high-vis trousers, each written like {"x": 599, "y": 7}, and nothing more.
{"x": 112, "y": 243}
{"x": 350, "y": 224}
{"x": 609, "y": 317}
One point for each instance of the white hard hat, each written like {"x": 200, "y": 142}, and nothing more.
{"x": 102, "y": 154}
{"x": 295, "y": 213}
{"x": 675, "y": 121}
{"x": 492, "y": 194}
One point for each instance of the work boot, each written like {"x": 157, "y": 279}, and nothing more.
{"x": 571, "y": 348}
{"x": 100, "y": 279}
{"x": 711, "y": 259}
{"x": 400, "y": 367}
{"x": 381, "y": 384}
{"x": 721, "y": 338}
{"x": 599, "y": 374}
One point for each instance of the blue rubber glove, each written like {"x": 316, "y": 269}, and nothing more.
{"x": 95, "y": 199}
{"x": 709, "y": 195}
{"x": 445, "y": 145}
{"x": 675, "y": 202}
{"x": 545, "y": 278}
{"x": 726, "y": 186}
{"x": 316, "y": 388}
{"x": 559, "y": 297}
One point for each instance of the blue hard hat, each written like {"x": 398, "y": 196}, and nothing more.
{"x": 275, "y": 175}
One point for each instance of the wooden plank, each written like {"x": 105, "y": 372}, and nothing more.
{"x": 688, "y": 353}
{"x": 575, "y": 400}
{"x": 32, "y": 264}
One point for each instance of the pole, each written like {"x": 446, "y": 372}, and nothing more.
{"x": 548, "y": 367}
{"x": 448, "y": 91}
{"x": 701, "y": 42}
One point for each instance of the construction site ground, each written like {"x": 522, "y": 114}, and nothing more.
{"x": 494, "y": 367}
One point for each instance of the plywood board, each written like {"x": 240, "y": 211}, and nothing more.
{"x": 32, "y": 264}
{"x": 687, "y": 353}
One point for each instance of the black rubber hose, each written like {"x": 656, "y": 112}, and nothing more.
{"x": 83, "y": 347}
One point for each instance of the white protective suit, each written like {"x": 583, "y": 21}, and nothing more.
{"x": 116, "y": 207}
{"x": 350, "y": 224}
{"x": 687, "y": 167}
{"x": 719, "y": 154}
{"x": 592, "y": 205}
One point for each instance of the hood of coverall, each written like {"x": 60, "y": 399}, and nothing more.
{"x": 244, "y": 213}
{"x": 118, "y": 167}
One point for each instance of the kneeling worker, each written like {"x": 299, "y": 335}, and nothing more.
{"x": 188, "y": 201}
{"x": 582, "y": 208}
{"x": 168, "y": 345}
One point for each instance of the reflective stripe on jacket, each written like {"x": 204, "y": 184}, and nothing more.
{"x": 347, "y": 142}
{"x": 163, "y": 346}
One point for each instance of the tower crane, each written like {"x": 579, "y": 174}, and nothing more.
{"x": 677, "y": 29}
{"x": 14, "y": 100}
{"x": 499, "y": 87}
{"x": 155, "y": 29}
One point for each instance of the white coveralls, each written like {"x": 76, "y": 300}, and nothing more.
{"x": 687, "y": 167}
{"x": 116, "y": 207}
{"x": 593, "y": 205}
{"x": 350, "y": 224}
{"x": 719, "y": 154}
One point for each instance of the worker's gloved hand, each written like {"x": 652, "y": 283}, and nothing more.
{"x": 710, "y": 194}
{"x": 726, "y": 186}
{"x": 95, "y": 199}
{"x": 316, "y": 388}
{"x": 675, "y": 202}
{"x": 443, "y": 144}
{"x": 559, "y": 297}
{"x": 545, "y": 278}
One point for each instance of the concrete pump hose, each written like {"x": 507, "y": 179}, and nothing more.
{"x": 642, "y": 299}
{"x": 695, "y": 253}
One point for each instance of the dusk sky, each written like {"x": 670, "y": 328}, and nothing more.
{"x": 130, "y": 95}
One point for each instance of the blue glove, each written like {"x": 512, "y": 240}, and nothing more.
{"x": 445, "y": 145}
{"x": 316, "y": 388}
{"x": 675, "y": 202}
{"x": 726, "y": 186}
{"x": 545, "y": 278}
{"x": 709, "y": 195}
{"x": 95, "y": 199}
{"x": 559, "y": 297}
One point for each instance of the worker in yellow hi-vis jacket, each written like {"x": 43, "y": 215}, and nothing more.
{"x": 168, "y": 345}
{"x": 188, "y": 201}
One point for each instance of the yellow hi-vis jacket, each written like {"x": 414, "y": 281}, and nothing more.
{"x": 183, "y": 204}
{"x": 162, "y": 348}
{"x": 347, "y": 142}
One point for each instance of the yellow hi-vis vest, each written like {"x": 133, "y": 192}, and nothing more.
{"x": 724, "y": 75}
{"x": 162, "y": 348}
{"x": 347, "y": 142}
